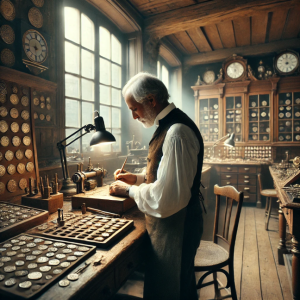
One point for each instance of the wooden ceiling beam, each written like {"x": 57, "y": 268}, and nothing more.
{"x": 222, "y": 54}
{"x": 207, "y": 13}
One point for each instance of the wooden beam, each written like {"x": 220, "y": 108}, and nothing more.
{"x": 227, "y": 34}
{"x": 199, "y": 39}
{"x": 277, "y": 24}
{"x": 207, "y": 13}
{"x": 220, "y": 55}
{"x": 242, "y": 31}
{"x": 259, "y": 28}
{"x": 213, "y": 36}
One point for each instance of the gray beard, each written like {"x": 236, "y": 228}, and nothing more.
{"x": 149, "y": 116}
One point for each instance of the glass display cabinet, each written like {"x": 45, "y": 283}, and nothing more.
{"x": 233, "y": 116}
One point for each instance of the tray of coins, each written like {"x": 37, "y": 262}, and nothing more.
{"x": 15, "y": 219}
{"x": 29, "y": 264}
{"x": 91, "y": 229}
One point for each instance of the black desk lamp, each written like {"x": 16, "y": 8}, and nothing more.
{"x": 100, "y": 136}
{"x": 227, "y": 140}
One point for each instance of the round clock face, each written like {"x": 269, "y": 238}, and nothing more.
{"x": 235, "y": 70}
{"x": 287, "y": 63}
{"x": 209, "y": 77}
{"x": 35, "y": 46}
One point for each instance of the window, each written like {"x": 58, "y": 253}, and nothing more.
{"x": 163, "y": 73}
{"x": 93, "y": 73}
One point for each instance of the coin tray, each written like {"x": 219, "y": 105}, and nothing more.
{"x": 15, "y": 219}
{"x": 90, "y": 229}
{"x": 33, "y": 251}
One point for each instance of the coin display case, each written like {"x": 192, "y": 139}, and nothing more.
{"x": 209, "y": 119}
{"x": 233, "y": 116}
{"x": 289, "y": 117}
{"x": 15, "y": 219}
{"x": 259, "y": 118}
{"x": 17, "y": 140}
{"x": 91, "y": 229}
{"x": 30, "y": 264}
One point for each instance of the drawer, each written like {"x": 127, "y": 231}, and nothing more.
{"x": 104, "y": 290}
{"x": 229, "y": 169}
{"x": 250, "y": 198}
{"x": 229, "y": 177}
{"x": 246, "y": 179}
{"x": 247, "y": 170}
{"x": 228, "y": 182}
{"x": 247, "y": 189}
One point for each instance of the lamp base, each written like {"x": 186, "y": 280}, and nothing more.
{"x": 68, "y": 189}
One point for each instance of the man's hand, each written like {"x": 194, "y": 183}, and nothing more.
{"x": 126, "y": 177}
{"x": 118, "y": 188}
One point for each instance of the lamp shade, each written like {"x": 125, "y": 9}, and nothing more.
{"x": 101, "y": 135}
{"x": 230, "y": 141}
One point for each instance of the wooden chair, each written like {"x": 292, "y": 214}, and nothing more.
{"x": 210, "y": 256}
{"x": 270, "y": 194}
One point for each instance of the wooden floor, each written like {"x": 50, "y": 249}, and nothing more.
{"x": 257, "y": 273}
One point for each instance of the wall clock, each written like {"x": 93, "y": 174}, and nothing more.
{"x": 287, "y": 62}
{"x": 235, "y": 68}
{"x": 209, "y": 77}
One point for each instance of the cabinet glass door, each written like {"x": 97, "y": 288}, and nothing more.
{"x": 234, "y": 116}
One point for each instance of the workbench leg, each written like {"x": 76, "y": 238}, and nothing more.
{"x": 282, "y": 233}
{"x": 296, "y": 269}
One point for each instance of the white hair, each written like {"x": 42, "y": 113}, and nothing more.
{"x": 143, "y": 84}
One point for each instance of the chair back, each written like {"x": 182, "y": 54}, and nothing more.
{"x": 232, "y": 195}
{"x": 259, "y": 182}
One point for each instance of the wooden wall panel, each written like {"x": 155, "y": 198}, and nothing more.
{"x": 199, "y": 39}
{"x": 259, "y": 24}
{"x": 242, "y": 31}
{"x": 212, "y": 34}
{"x": 173, "y": 39}
{"x": 227, "y": 34}
{"x": 186, "y": 42}
{"x": 277, "y": 24}
{"x": 292, "y": 25}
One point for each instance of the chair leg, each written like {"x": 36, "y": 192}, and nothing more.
{"x": 267, "y": 205}
{"x": 232, "y": 284}
{"x": 216, "y": 286}
{"x": 269, "y": 213}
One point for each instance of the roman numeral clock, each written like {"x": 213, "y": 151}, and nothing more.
{"x": 287, "y": 62}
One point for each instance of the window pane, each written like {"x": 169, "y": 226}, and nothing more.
{"x": 104, "y": 94}
{"x": 117, "y": 145}
{"x": 71, "y": 58}
{"x": 87, "y": 113}
{"x": 86, "y": 142}
{"x": 72, "y": 24}
{"x": 116, "y": 118}
{"x": 72, "y": 86}
{"x": 74, "y": 147}
{"x": 87, "y": 32}
{"x": 87, "y": 64}
{"x": 158, "y": 69}
{"x": 72, "y": 113}
{"x": 104, "y": 42}
{"x": 104, "y": 71}
{"x": 116, "y": 76}
{"x": 165, "y": 76}
{"x": 105, "y": 114}
{"x": 116, "y": 50}
{"x": 88, "y": 90}
{"x": 116, "y": 97}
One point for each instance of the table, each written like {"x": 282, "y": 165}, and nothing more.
{"x": 289, "y": 213}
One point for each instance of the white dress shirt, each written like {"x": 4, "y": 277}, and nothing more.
{"x": 171, "y": 191}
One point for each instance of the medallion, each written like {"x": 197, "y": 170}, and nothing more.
{"x": 48, "y": 100}
{"x": 48, "y": 106}
{"x": 48, "y": 118}
{"x": 14, "y": 113}
{"x": 2, "y": 188}
{"x": 42, "y": 105}
{"x": 12, "y": 186}
{"x": 3, "y": 126}
{"x": 38, "y": 3}
{"x": 2, "y": 98}
{"x": 14, "y": 127}
{"x": 9, "y": 155}
{"x": 25, "y": 284}
{"x": 264, "y": 103}
{"x": 7, "y": 57}
{"x": 35, "y": 275}
{"x": 36, "y": 101}
{"x": 14, "y": 89}
{"x": 30, "y": 167}
{"x": 25, "y": 114}
{"x": 7, "y": 34}
{"x": 7, "y": 10}
{"x": 42, "y": 117}
{"x": 22, "y": 184}
{"x": 42, "y": 98}
{"x": 19, "y": 154}
{"x": 11, "y": 169}
{"x": 28, "y": 153}
{"x": 26, "y": 140}
{"x": 25, "y": 101}
{"x": 4, "y": 141}
{"x": 3, "y": 111}
{"x": 35, "y": 116}
{"x": 25, "y": 128}
{"x": 16, "y": 141}
{"x": 35, "y": 17}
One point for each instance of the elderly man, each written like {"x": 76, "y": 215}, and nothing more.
{"x": 169, "y": 192}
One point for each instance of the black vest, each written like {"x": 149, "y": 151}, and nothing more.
{"x": 176, "y": 116}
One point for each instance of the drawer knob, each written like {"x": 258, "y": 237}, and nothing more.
{"x": 246, "y": 181}
{"x": 228, "y": 176}
{"x": 246, "y": 189}
{"x": 229, "y": 169}
{"x": 246, "y": 197}
{"x": 246, "y": 169}
{"x": 228, "y": 182}
{"x": 246, "y": 177}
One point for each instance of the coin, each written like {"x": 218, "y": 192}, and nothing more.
{"x": 25, "y": 114}
{"x": 71, "y": 246}
{"x": 15, "y": 89}
{"x": 48, "y": 100}
{"x": 35, "y": 275}
{"x": 105, "y": 234}
{"x": 5, "y": 259}
{"x": 52, "y": 249}
{"x": 28, "y": 153}
{"x": 14, "y": 127}
{"x": 78, "y": 253}
{"x": 64, "y": 283}
{"x": 9, "y": 155}
{"x": 25, "y": 128}
{"x": 14, "y": 113}
{"x": 53, "y": 262}
{"x": 30, "y": 257}
{"x": 3, "y": 126}
{"x": 3, "y": 111}
{"x": 42, "y": 260}
{"x": 42, "y": 117}
{"x": 73, "y": 276}
{"x": 25, "y": 101}
{"x": 42, "y": 105}
{"x": 2, "y": 249}
{"x": 26, "y": 140}
{"x": 10, "y": 282}
{"x": 21, "y": 169}
{"x": 25, "y": 284}
{"x": 21, "y": 273}
{"x": 32, "y": 266}
{"x": 4, "y": 141}
{"x": 37, "y": 252}
{"x": 2, "y": 277}
{"x": 31, "y": 245}
{"x": 66, "y": 251}
{"x": 45, "y": 268}
{"x": 19, "y": 155}
{"x": 21, "y": 255}
{"x": 16, "y": 248}
{"x": 30, "y": 167}
{"x": 49, "y": 277}
{"x": 9, "y": 269}
{"x": 42, "y": 247}
{"x": 25, "y": 250}
{"x": 14, "y": 99}
{"x": 11, "y": 253}
{"x": 65, "y": 264}
{"x": 57, "y": 271}
{"x": 2, "y": 98}
{"x": 100, "y": 239}
{"x": 50, "y": 254}
{"x": 48, "y": 118}
{"x": 36, "y": 101}
{"x": 12, "y": 185}
{"x": 2, "y": 170}
{"x": 71, "y": 258}
{"x": 48, "y": 243}
{"x": 48, "y": 106}
{"x": 59, "y": 245}
{"x": 60, "y": 256}
{"x": 84, "y": 249}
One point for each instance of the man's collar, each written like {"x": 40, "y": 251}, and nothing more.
{"x": 164, "y": 113}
